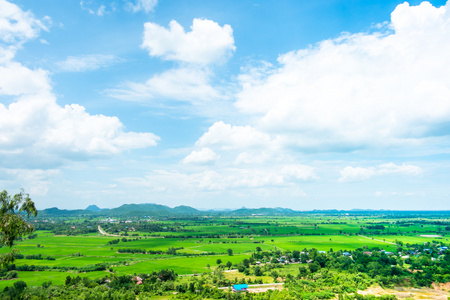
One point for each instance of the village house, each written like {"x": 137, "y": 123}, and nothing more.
{"x": 240, "y": 288}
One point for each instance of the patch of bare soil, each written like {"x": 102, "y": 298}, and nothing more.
{"x": 441, "y": 286}
{"x": 438, "y": 292}
{"x": 374, "y": 290}
{"x": 262, "y": 289}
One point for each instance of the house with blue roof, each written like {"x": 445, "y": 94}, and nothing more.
{"x": 240, "y": 288}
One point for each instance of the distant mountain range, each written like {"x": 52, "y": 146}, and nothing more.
{"x": 158, "y": 210}
{"x": 125, "y": 210}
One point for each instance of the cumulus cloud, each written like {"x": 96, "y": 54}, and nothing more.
{"x": 358, "y": 173}
{"x": 36, "y": 131}
{"x": 204, "y": 155}
{"x": 15, "y": 80}
{"x": 192, "y": 81}
{"x": 85, "y": 63}
{"x": 184, "y": 84}
{"x": 227, "y": 136}
{"x": 206, "y": 43}
{"x": 382, "y": 88}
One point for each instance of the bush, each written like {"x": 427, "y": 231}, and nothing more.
{"x": 11, "y": 275}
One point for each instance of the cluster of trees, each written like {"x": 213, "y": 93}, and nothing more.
{"x": 33, "y": 256}
{"x": 131, "y": 250}
{"x": 89, "y": 268}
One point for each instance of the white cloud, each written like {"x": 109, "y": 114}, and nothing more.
{"x": 93, "y": 9}
{"x": 36, "y": 182}
{"x": 205, "y": 155}
{"x": 190, "y": 82}
{"x": 356, "y": 174}
{"x": 85, "y": 63}
{"x": 101, "y": 10}
{"x": 226, "y": 179}
{"x": 184, "y": 84}
{"x": 16, "y": 80}
{"x": 16, "y": 25}
{"x": 349, "y": 173}
{"x": 252, "y": 157}
{"x": 36, "y": 131}
{"x": 359, "y": 90}
{"x": 206, "y": 43}
{"x": 242, "y": 178}
{"x": 145, "y": 5}
{"x": 392, "y": 168}
{"x": 227, "y": 136}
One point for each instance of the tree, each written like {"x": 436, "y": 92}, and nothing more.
{"x": 314, "y": 267}
{"x": 230, "y": 252}
{"x": 258, "y": 271}
{"x": 12, "y": 221}
{"x": 219, "y": 261}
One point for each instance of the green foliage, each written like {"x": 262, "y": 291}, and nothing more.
{"x": 12, "y": 221}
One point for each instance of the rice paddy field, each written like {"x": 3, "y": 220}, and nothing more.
{"x": 201, "y": 242}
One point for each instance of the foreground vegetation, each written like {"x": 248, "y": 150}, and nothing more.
{"x": 313, "y": 255}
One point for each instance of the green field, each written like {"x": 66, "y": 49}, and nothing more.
{"x": 200, "y": 242}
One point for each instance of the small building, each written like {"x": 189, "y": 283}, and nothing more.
{"x": 240, "y": 288}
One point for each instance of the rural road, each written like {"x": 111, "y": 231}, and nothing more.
{"x": 377, "y": 240}
{"x": 102, "y": 232}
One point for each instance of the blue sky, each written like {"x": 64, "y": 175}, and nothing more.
{"x": 222, "y": 104}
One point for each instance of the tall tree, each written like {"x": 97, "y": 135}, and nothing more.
{"x": 13, "y": 224}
